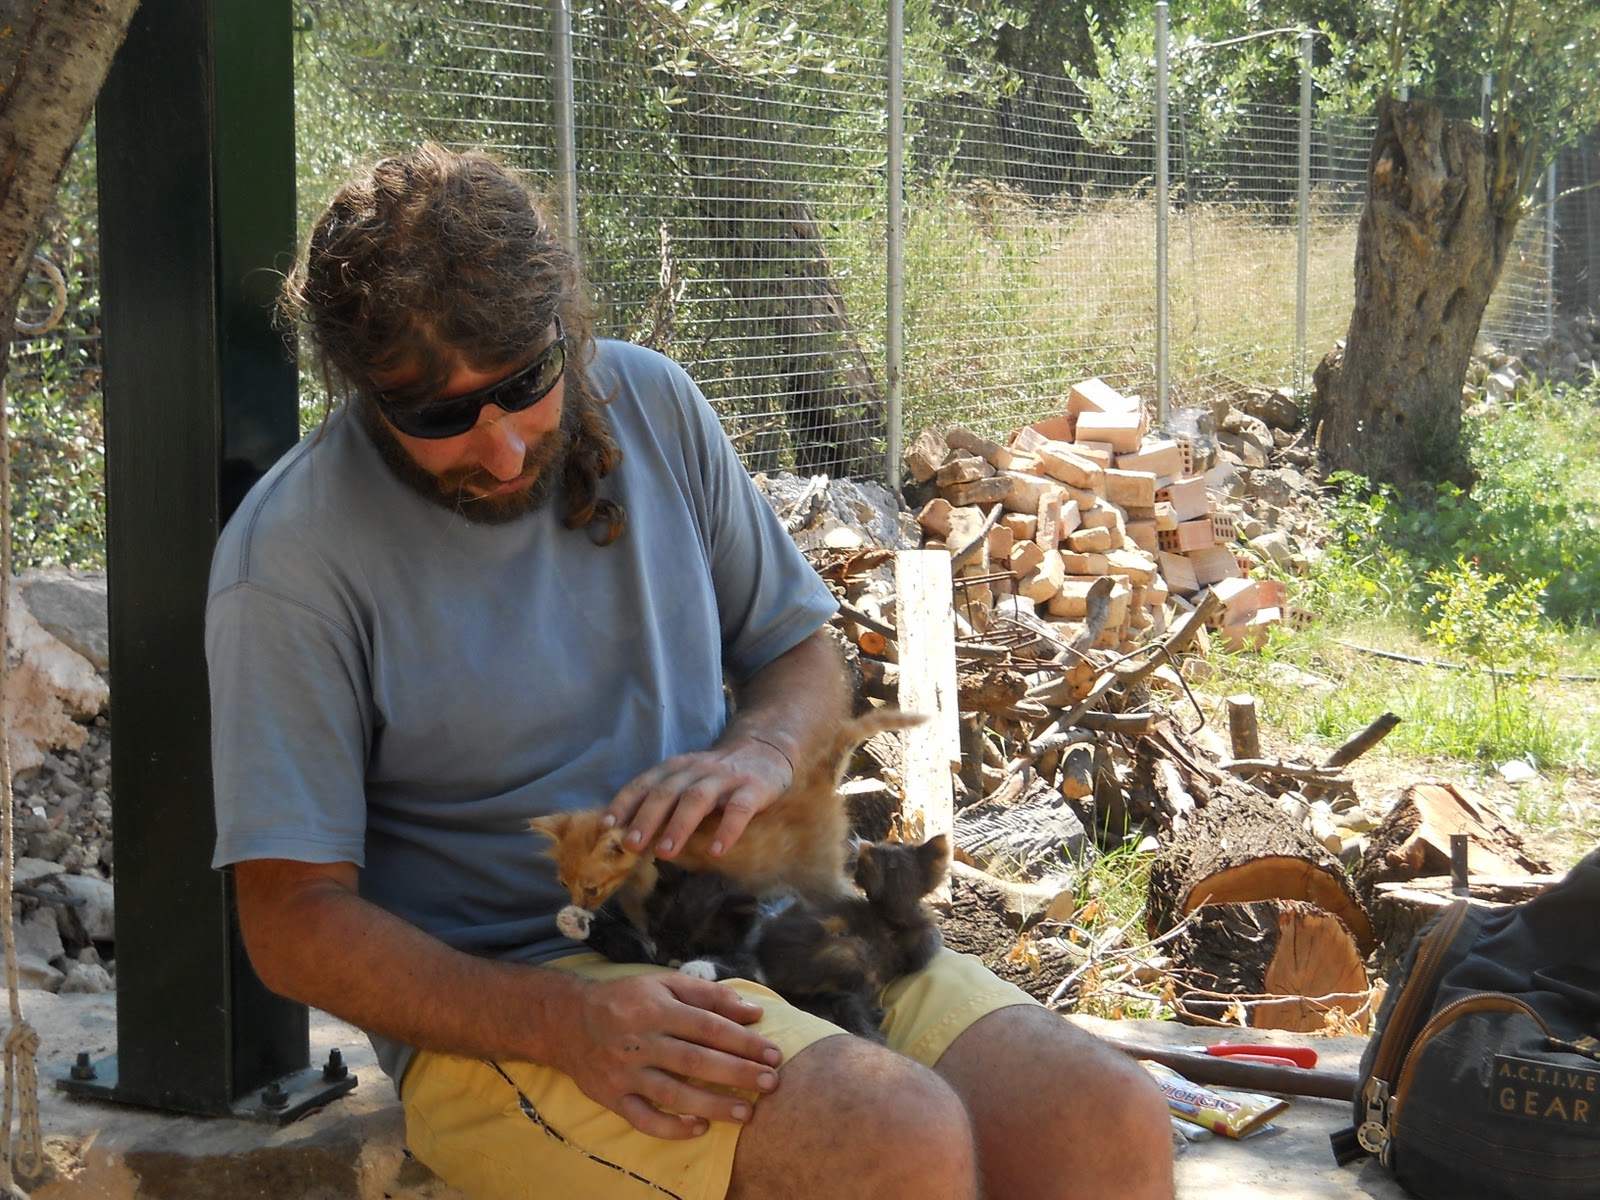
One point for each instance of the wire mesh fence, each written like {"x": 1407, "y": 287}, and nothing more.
{"x": 1577, "y": 222}
{"x": 735, "y": 216}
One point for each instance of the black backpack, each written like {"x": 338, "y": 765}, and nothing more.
{"x": 1482, "y": 1081}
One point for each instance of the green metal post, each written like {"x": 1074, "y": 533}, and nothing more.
{"x": 195, "y": 132}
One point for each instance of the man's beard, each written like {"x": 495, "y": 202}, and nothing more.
{"x": 461, "y": 491}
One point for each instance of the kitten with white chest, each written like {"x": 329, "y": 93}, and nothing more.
{"x": 777, "y": 907}
{"x": 699, "y": 922}
{"x": 832, "y": 957}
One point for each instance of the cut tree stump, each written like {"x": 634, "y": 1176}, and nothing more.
{"x": 1244, "y": 848}
{"x": 1413, "y": 840}
{"x": 1235, "y": 957}
{"x": 1401, "y": 909}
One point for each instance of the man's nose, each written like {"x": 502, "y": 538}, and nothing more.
{"x": 503, "y": 447}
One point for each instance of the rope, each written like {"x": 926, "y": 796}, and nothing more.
{"x": 21, "y": 1042}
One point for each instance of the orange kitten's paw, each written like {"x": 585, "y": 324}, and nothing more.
{"x": 575, "y": 922}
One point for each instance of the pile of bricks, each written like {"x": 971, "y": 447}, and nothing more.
{"x": 1078, "y": 497}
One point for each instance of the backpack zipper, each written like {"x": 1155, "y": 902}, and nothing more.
{"x": 1398, "y": 1035}
{"x": 1474, "y": 1002}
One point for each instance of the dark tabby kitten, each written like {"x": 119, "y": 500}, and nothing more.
{"x": 700, "y": 922}
{"x": 832, "y": 958}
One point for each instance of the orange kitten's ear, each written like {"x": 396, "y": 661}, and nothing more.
{"x": 554, "y": 826}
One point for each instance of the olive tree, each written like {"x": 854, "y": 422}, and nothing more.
{"x": 1444, "y": 196}
{"x": 54, "y": 59}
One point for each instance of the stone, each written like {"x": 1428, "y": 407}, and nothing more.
{"x": 50, "y": 689}
{"x": 1275, "y": 407}
{"x": 71, "y": 605}
{"x": 96, "y": 912}
{"x": 1274, "y": 544}
{"x": 869, "y": 509}
{"x": 51, "y": 842}
{"x": 39, "y": 936}
{"x": 37, "y": 975}
{"x": 86, "y": 977}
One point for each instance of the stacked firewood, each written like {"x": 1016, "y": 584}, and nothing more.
{"x": 1075, "y": 645}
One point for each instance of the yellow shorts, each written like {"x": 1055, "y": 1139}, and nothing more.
{"x": 515, "y": 1130}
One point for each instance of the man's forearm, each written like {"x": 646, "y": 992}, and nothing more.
{"x": 315, "y": 940}
{"x": 796, "y": 701}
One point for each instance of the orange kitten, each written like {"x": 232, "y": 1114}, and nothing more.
{"x": 799, "y": 844}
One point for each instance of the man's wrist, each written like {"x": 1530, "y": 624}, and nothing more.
{"x": 771, "y": 744}
{"x": 548, "y": 1019}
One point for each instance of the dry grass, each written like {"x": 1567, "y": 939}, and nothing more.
{"x": 1009, "y": 300}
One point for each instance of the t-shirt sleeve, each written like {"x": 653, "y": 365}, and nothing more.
{"x": 289, "y": 729}
{"x": 768, "y": 596}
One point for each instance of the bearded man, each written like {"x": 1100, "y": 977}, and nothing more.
{"x": 512, "y": 574}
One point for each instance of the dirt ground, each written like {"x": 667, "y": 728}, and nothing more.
{"x": 1559, "y": 823}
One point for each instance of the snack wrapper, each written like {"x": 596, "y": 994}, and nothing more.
{"x": 1232, "y": 1114}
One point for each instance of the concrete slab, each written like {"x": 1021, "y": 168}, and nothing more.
{"x": 354, "y": 1148}
{"x": 1291, "y": 1161}
{"x": 351, "y": 1150}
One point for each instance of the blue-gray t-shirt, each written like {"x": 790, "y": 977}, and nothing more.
{"x": 397, "y": 687}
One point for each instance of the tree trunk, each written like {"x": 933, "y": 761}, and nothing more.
{"x": 771, "y": 258}
{"x": 53, "y": 58}
{"x": 1433, "y": 237}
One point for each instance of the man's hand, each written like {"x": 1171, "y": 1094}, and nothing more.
{"x": 668, "y": 802}
{"x": 646, "y": 1047}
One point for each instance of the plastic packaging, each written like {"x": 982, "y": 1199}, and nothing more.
{"x": 1232, "y": 1114}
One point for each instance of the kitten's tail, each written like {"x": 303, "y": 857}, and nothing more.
{"x": 830, "y": 767}
{"x": 856, "y": 730}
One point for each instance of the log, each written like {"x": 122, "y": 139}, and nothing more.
{"x": 1241, "y": 848}
{"x": 1124, "y": 723}
{"x": 926, "y": 643}
{"x": 1400, "y": 910}
{"x": 1413, "y": 840}
{"x": 1353, "y": 749}
{"x": 1369, "y": 737}
{"x": 1243, "y": 731}
{"x": 872, "y": 642}
{"x": 989, "y": 689}
{"x": 1026, "y": 904}
{"x": 1243, "y": 955}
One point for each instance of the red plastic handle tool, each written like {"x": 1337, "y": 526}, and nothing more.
{"x": 1300, "y": 1056}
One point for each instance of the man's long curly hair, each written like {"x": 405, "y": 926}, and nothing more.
{"x": 437, "y": 258}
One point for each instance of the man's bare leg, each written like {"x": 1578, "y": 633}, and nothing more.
{"x": 854, "y": 1121}
{"x": 1057, "y": 1113}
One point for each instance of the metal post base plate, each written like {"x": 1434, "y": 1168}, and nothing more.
{"x": 279, "y": 1102}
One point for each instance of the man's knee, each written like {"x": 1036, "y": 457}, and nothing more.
{"x": 853, "y": 1119}
{"x": 1135, "y": 1102}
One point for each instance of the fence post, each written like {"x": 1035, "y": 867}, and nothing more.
{"x": 566, "y": 134}
{"x": 1303, "y": 235}
{"x": 1162, "y": 348}
{"x": 894, "y": 332}
{"x": 1550, "y": 223}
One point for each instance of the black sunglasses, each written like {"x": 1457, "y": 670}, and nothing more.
{"x": 517, "y": 391}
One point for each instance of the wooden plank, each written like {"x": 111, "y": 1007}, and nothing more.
{"x": 928, "y": 685}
